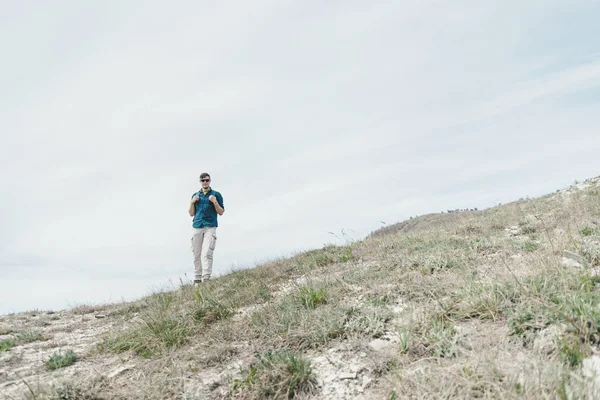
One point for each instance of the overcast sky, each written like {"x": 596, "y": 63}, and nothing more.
{"x": 313, "y": 117}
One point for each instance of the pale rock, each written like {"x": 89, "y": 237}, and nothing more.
{"x": 545, "y": 342}
{"x": 590, "y": 369}
{"x": 366, "y": 382}
{"x": 302, "y": 280}
{"x": 380, "y": 345}
{"x": 513, "y": 230}
{"x": 573, "y": 256}
{"x": 347, "y": 375}
{"x": 120, "y": 370}
{"x": 356, "y": 368}
{"x": 569, "y": 263}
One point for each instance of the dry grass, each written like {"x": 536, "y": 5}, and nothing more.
{"x": 471, "y": 296}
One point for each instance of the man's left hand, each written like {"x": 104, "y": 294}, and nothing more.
{"x": 212, "y": 199}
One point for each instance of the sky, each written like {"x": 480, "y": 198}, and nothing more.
{"x": 318, "y": 122}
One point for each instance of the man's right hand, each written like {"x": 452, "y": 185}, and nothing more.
{"x": 195, "y": 198}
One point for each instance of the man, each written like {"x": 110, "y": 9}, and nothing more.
{"x": 206, "y": 205}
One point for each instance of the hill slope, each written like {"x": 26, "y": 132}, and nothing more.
{"x": 500, "y": 303}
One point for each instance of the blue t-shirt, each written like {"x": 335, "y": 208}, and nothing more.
{"x": 206, "y": 214}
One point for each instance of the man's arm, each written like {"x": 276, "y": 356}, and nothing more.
{"x": 192, "y": 209}
{"x": 220, "y": 210}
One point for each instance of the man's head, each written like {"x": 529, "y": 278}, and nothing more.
{"x": 205, "y": 180}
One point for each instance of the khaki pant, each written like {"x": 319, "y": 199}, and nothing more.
{"x": 204, "y": 241}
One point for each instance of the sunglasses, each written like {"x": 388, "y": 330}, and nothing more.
{"x": 204, "y": 180}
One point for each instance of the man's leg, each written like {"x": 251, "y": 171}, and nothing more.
{"x": 210, "y": 241}
{"x": 197, "y": 241}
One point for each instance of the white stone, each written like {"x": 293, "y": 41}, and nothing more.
{"x": 590, "y": 368}
{"x": 569, "y": 263}
{"x": 356, "y": 368}
{"x": 573, "y": 256}
{"x": 545, "y": 342}
{"x": 120, "y": 370}
{"x": 380, "y": 345}
{"x": 347, "y": 375}
{"x": 366, "y": 382}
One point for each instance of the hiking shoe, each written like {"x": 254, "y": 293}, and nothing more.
{"x": 197, "y": 283}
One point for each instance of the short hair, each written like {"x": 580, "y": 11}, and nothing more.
{"x": 204, "y": 175}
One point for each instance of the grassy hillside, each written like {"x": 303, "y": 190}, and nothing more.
{"x": 497, "y": 303}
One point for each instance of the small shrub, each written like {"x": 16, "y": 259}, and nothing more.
{"x": 60, "y": 360}
{"x": 277, "y": 374}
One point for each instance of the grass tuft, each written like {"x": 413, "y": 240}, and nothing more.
{"x": 61, "y": 360}
{"x": 277, "y": 374}
{"x": 310, "y": 297}
{"x": 209, "y": 309}
{"x": 7, "y": 344}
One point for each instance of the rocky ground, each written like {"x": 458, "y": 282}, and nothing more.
{"x": 500, "y": 303}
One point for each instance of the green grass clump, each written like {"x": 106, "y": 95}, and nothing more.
{"x": 61, "y": 360}
{"x": 209, "y": 309}
{"x": 587, "y": 231}
{"x": 156, "y": 333}
{"x": 277, "y": 374}
{"x": 572, "y": 350}
{"x": 310, "y": 297}
{"x": 7, "y": 344}
{"x": 20, "y": 338}
{"x": 377, "y": 300}
{"x": 28, "y": 337}
{"x": 367, "y": 321}
{"x": 323, "y": 257}
{"x": 528, "y": 245}
{"x": 442, "y": 339}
